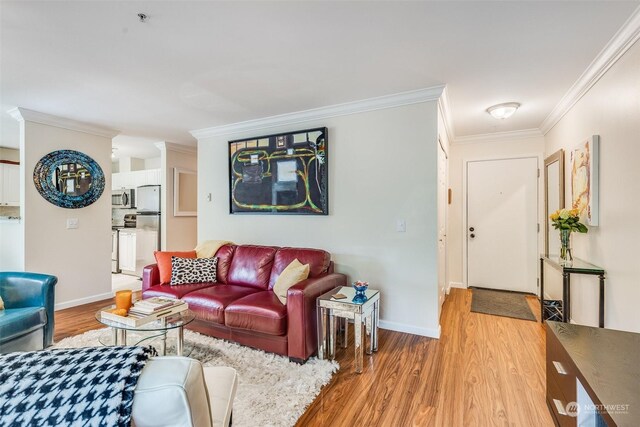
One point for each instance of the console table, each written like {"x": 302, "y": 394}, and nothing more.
{"x": 593, "y": 376}
{"x": 577, "y": 266}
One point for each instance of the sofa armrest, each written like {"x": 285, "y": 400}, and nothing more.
{"x": 301, "y": 313}
{"x": 22, "y": 289}
{"x": 150, "y": 277}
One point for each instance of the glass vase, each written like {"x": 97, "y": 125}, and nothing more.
{"x": 565, "y": 247}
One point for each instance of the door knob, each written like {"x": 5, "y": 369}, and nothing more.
{"x": 472, "y": 235}
{"x": 472, "y": 229}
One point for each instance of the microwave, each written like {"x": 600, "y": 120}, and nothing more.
{"x": 123, "y": 198}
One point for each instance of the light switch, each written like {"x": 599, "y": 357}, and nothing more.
{"x": 401, "y": 226}
{"x": 72, "y": 223}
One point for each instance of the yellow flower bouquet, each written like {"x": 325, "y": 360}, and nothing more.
{"x": 567, "y": 219}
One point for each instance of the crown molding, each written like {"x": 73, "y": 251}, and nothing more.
{"x": 179, "y": 148}
{"x": 371, "y": 104}
{"x": 23, "y": 114}
{"x": 499, "y": 136}
{"x": 626, "y": 36}
{"x": 445, "y": 110}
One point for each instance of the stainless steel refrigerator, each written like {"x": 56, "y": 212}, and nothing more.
{"x": 147, "y": 225}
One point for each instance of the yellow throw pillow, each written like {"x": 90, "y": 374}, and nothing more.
{"x": 293, "y": 274}
{"x": 1, "y": 304}
{"x": 209, "y": 248}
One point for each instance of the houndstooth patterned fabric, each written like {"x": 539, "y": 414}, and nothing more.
{"x": 70, "y": 387}
{"x": 193, "y": 270}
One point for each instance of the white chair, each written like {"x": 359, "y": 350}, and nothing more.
{"x": 179, "y": 392}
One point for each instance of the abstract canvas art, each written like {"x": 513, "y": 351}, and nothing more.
{"x": 585, "y": 178}
{"x": 284, "y": 173}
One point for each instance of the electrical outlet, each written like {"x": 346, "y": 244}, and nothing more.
{"x": 72, "y": 223}
{"x": 401, "y": 226}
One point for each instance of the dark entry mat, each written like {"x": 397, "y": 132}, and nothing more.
{"x": 501, "y": 303}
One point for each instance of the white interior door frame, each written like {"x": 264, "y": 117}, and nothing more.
{"x": 443, "y": 276}
{"x": 540, "y": 204}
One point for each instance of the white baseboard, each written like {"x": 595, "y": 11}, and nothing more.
{"x": 85, "y": 300}
{"x": 409, "y": 329}
{"x": 459, "y": 285}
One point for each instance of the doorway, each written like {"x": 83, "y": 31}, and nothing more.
{"x": 443, "y": 164}
{"x": 501, "y": 228}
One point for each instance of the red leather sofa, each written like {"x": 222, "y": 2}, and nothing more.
{"x": 241, "y": 305}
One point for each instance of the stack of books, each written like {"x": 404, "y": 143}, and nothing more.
{"x": 146, "y": 311}
{"x": 149, "y": 306}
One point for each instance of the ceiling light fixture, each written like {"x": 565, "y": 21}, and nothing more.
{"x": 503, "y": 111}
{"x": 143, "y": 17}
{"x": 113, "y": 152}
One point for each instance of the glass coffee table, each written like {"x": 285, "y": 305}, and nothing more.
{"x": 148, "y": 331}
{"x": 360, "y": 310}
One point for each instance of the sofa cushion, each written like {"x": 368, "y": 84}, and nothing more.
{"x": 163, "y": 259}
{"x": 260, "y": 312}
{"x": 15, "y": 322}
{"x": 222, "y": 383}
{"x": 317, "y": 259}
{"x": 171, "y": 391}
{"x": 174, "y": 291}
{"x": 193, "y": 270}
{"x": 251, "y": 266}
{"x": 209, "y": 304}
{"x": 290, "y": 276}
{"x": 225, "y": 256}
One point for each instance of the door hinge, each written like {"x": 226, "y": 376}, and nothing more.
{"x": 538, "y": 172}
{"x": 538, "y": 227}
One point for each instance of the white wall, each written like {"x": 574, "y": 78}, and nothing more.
{"x": 178, "y": 233}
{"x": 496, "y": 146}
{"x": 152, "y": 163}
{"x": 610, "y": 109}
{"x": 382, "y": 167}
{"x": 80, "y": 258}
{"x": 11, "y": 245}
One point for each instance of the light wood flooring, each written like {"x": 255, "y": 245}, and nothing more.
{"x": 483, "y": 371}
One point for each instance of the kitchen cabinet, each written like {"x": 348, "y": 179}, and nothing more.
{"x": 146, "y": 245}
{"x": 127, "y": 247}
{"x": 135, "y": 179}
{"x": 10, "y": 185}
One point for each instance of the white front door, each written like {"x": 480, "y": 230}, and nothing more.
{"x": 502, "y": 224}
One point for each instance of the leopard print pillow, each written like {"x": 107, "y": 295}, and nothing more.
{"x": 193, "y": 270}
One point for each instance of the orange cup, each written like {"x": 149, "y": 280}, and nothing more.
{"x": 123, "y": 299}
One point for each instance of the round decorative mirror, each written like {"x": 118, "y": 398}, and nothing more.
{"x": 69, "y": 179}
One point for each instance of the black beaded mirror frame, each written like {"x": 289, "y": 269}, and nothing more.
{"x": 45, "y": 185}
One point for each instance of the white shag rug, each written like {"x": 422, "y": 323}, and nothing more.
{"x": 271, "y": 390}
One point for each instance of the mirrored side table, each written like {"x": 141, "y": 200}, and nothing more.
{"x": 361, "y": 311}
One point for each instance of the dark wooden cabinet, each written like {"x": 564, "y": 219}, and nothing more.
{"x": 593, "y": 376}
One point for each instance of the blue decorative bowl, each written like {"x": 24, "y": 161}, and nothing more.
{"x": 360, "y": 288}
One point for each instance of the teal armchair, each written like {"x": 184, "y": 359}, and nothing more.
{"x": 27, "y": 321}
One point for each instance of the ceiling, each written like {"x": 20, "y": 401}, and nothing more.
{"x": 199, "y": 64}
{"x": 130, "y": 146}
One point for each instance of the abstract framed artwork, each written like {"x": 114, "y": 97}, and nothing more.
{"x": 284, "y": 173}
{"x": 585, "y": 194}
